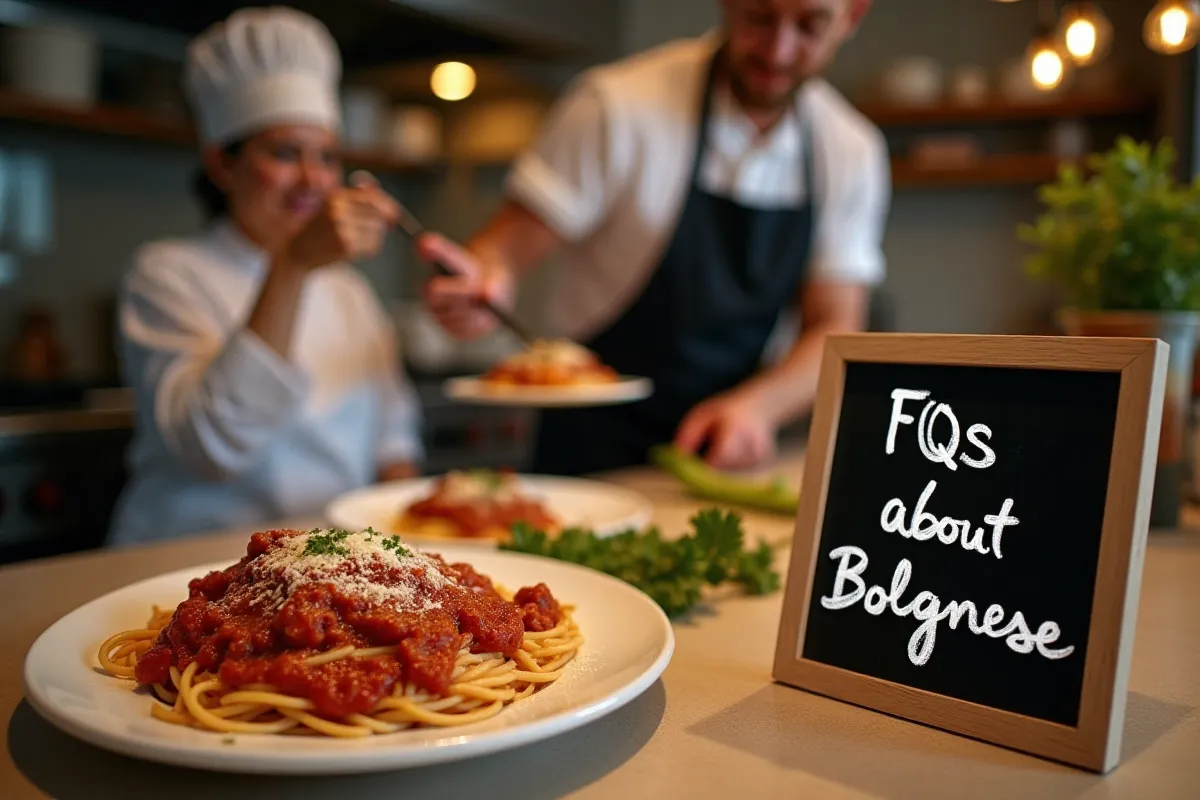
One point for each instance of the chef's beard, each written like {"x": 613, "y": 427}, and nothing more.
{"x": 752, "y": 100}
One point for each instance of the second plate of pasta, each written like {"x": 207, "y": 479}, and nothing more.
{"x": 477, "y": 507}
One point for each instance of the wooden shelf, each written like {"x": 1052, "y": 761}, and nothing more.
{"x": 130, "y": 123}
{"x": 1082, "y": 106}
{"x": 1009, "y": 169}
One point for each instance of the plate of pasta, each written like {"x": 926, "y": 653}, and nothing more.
{"x": 479, "y": 506}
{"x": 550, "y": 373}
{"x": 333, "y": 651}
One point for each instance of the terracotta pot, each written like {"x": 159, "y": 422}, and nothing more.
{"x": 1180, "y": 330}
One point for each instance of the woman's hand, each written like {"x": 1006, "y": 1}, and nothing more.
{"x": 352, "y": 225}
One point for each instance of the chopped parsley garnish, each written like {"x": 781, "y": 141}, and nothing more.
{"x": 492, "y": 479}
{"x": 322, "y": 543}
{"x": 672, "y": 572}
{"x": 329, "y": 542}
{"x": 393, "y": 543}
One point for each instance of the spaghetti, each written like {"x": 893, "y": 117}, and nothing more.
{"x": 343, "y": 634}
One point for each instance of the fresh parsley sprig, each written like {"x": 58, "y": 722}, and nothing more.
{"x": 330, "y": 542}
{"x": 672, "y": 572}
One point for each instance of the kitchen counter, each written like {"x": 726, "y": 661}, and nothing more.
{"x": 69, "y": 408}
{"x": 64, "y": 421}
{"x": 713, "y": 726}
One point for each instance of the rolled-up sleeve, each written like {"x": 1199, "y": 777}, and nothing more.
{"x": 849, "y": 246}
{"x": 568, "y": 178}
{"x": 216, "y": 399}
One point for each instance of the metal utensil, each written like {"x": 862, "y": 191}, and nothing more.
{"x": 413, "y": 228}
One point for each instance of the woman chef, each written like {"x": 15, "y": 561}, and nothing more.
{"x": 264, "y": 367}
{"x": 698, "y": 190}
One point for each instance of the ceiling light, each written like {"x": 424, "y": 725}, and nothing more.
{"x": 1046, "y": 67}
{"x": 1084, "y": 33}
{"x": 1172, "y": 26}
{"x": 452, "y": 80}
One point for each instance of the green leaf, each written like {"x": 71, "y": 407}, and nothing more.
{"x": 1127, "y": 237}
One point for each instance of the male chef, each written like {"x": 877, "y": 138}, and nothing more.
{"x": 696, "y": 191}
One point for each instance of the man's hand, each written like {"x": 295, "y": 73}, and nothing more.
{"x": 739, "y": 433}
{"x": 454, "y": 300}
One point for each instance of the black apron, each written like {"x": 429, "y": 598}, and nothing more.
{"x": 699, "y": 327}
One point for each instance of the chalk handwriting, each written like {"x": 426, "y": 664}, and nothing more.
{"x": 898, "y": 416}
{"x": 943, "y": 453}
{"x": 926, "y": 526}
{"x": 849, "y": 588}
{"x": 939, "y": 452}
{"x": 989, "y": 455}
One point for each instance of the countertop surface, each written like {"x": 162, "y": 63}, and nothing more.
{"x": 714, "y": 726}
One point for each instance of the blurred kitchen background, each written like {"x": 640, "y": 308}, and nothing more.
{"x": 96, "y": 157}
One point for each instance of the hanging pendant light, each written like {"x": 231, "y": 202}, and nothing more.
{"x": 1084, "y": 33}
{"x": 1172, "y": 26}
{"x": 1045, "y": 64}
{"x": 452, "y": 80}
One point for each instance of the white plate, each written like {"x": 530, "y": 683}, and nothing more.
{"x": 626, "y": 390}
{"x": 603, "y": 507}
{"x": 628, "y": 644}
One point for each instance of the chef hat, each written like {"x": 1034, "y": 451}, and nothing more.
{"x": 262, "y": 67}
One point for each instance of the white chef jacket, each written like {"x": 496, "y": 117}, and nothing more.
{"x": 609, "y": 172}
{"x": 228, "y": 433}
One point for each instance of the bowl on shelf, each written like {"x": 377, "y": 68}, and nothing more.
{"x": 54, "y": 63}
{"x": 913, "y": 81}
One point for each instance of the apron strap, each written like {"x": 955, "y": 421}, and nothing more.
{"x": 806, "y": 134}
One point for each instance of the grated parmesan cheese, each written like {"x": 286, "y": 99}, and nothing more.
{"x": 285, "y": 568}
{"x": 562, "y": 352}
{"x": 466, "y": 487}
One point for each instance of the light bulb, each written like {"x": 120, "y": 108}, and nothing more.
{"x": 1047, "y": 69}
{"x": 452, "y": 80}
{"x": 1084, "y": 33}
{"x": 1046, "y": 66}
{"x": 1081, "y": 39}
{"x": 1172, "y": 26}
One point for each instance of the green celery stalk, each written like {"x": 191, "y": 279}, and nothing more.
{"x": 704, "y": 481}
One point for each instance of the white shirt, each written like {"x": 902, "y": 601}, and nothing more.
{"x": 228, "y": 433}
{"x": 609, "y": 172}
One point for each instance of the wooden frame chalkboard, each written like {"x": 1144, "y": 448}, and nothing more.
{"x": 1094, "y": 741}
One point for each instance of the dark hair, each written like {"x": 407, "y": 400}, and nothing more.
{"x": 212, "y": 198}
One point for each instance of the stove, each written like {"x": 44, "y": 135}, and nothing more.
{"x": 60, "y": 476}
{"x": 462, "y": 436}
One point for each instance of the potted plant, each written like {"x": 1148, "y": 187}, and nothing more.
{"x": 1123, "y": 244}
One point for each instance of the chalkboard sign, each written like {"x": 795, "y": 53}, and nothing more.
{"x": 970, "y": 535}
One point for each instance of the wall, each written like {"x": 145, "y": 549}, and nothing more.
{"x": 580, "y": 28}
{"x": 961, "y": 241}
